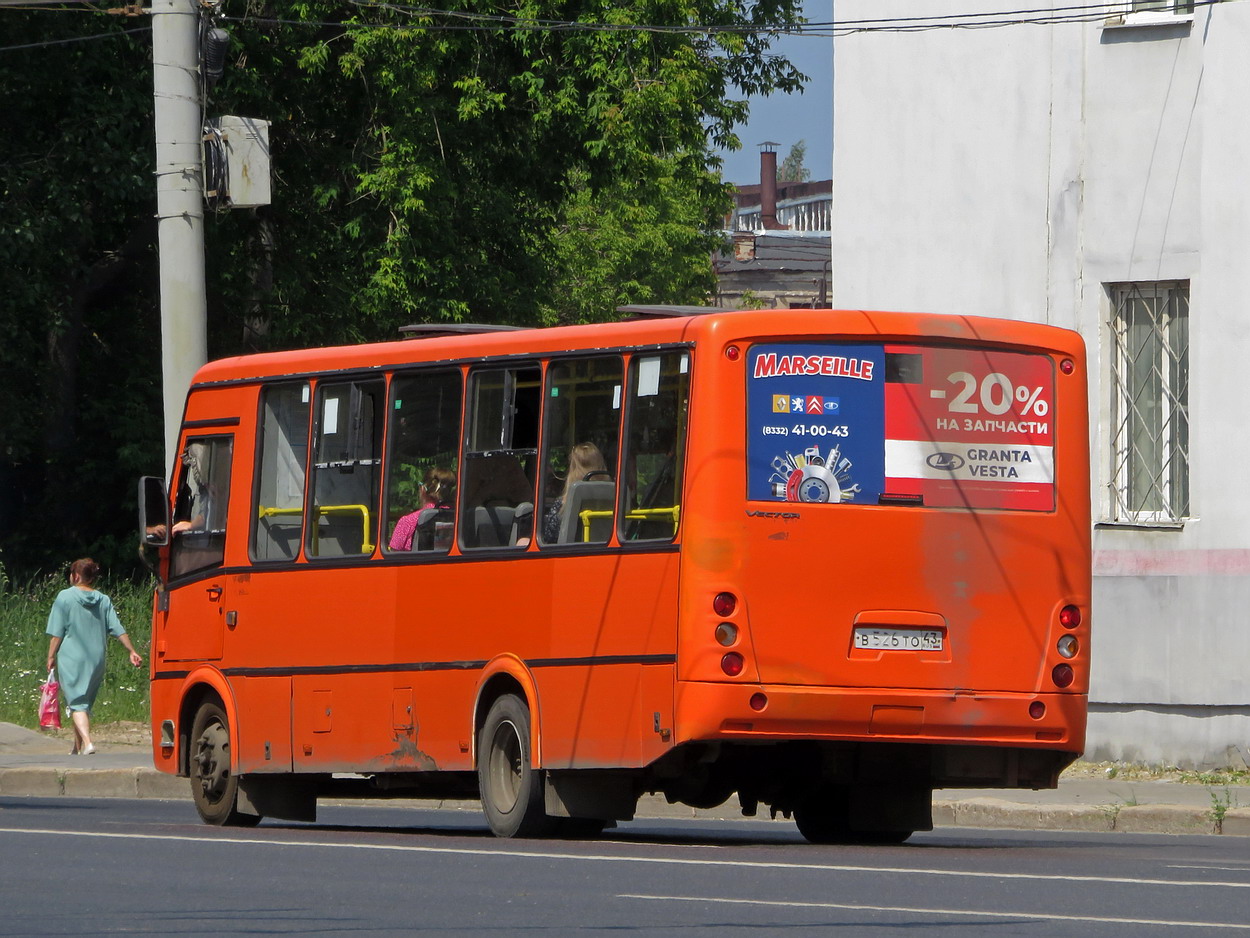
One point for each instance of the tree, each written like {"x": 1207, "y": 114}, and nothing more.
{"x": 791, "y": 168}
{"x": 546, "y": 165}
{"x": 80, "y": 360}
{"x": 461, "y": 156}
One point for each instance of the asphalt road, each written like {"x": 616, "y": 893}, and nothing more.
{"x": 94, "y": 867}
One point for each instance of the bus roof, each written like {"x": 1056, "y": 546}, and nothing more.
{"x": 665, "y": 329}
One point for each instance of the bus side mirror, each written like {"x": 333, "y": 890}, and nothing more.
{"x": 153, "y": 512}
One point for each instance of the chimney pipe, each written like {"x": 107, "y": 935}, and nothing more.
{"x": 768, "y": 188}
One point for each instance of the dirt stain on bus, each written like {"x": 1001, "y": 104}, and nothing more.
{"x": 407, "y": 754}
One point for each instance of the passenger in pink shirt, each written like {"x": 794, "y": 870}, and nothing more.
{"x": 438, "y": 492}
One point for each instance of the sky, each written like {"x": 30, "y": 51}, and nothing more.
{"x": 789, "y": 118}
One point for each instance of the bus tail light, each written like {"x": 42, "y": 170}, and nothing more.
{"x": 759, "y": 701}
{"x": 726, "y": 633}
{"x": 1068, "y": 646}
{"x": 732, "y": 664}
{"x": 1061, "y": 674}
{"x": 1070, "y": 616}
{"x": 1037, "y": 709}
{"x": 725, "y": 604}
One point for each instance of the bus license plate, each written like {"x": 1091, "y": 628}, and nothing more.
{"x": 899, "y": 639}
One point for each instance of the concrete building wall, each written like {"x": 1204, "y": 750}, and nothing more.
{"x": 1019, "y": 171}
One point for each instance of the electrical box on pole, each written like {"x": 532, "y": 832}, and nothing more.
{"x": 236, "y": 162}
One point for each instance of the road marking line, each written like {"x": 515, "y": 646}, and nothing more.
{"x": 1203, "y": 866}
{"x": 608, "y": 858}
{"x": 1049, "y": 916}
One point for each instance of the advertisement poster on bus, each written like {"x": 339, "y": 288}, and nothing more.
{"x": 817, "y": 418}
{"x": 863, "y": 423}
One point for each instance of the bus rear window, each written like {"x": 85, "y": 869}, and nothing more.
{"x": 873, "y": 423}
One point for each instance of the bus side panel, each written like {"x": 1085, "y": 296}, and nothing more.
{"x": 611, "y": 618}
{"x": 349, "y": 699}
{"x": 164, "y": 698}
{"x": 263, "y": 738}
{"x": 356, "y": 723}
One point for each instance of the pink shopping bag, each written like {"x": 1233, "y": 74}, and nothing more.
{"x": 49, "y": 702}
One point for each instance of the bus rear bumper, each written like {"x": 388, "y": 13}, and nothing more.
{"x": 766, "y": 712}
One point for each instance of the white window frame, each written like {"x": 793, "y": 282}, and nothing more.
{"x": 1148, "y": 367}
{"x": 1175, "y": 7}
{"x": 1157, "y": 12}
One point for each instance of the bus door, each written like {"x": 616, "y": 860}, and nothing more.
{"x": 194, "y": 626}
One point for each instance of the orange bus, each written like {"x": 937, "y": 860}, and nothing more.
{"x": 827, "y": 561}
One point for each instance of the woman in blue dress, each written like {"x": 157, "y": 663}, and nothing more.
{"x": 80, "y": 623}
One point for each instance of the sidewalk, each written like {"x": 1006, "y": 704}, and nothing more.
{"x": 37, "y": 765}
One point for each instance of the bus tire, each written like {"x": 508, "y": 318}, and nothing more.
{"x": 824, "y": 817}
{"x": 511, "y": 788}
{"x": 214, "y": 787}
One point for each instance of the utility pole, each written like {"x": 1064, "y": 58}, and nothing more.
{"x": 179, "y": 204}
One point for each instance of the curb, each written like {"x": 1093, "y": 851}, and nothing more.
{"x": 985, "y": 813}
{"x": 46, "y": 781}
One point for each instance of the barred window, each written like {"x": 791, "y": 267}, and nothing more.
{"x": 1149, "y": 363}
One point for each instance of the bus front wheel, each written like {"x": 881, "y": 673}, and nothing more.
{"x": 214, "y": 787}
{"x": 511, "y": 789}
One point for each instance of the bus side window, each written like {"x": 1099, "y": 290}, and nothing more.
{"x": 581, "y": 442}
{"x": 282, "y": 455}
{"x": 343, "y": 519}
{"x": 655, "y": 444}
{"x": 198, "y": 534}
{"x": 423, "y": 461}
{"x": 497, "y": 484}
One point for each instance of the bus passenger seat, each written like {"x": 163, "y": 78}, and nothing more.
{"x": 493, "y": 525}
{"x": 522, "y": 523}
{"x": 429, "y": 533}
{"x": 596, "y": 495}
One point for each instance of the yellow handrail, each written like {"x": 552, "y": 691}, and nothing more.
{"x": 634, "y": 514}
{"x": 318, "y": 510}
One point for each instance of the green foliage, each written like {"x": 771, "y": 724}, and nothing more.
{"x": 527, "y": 176}
{"x": 1219, "y": 806}
{"x": 791, "y": 168}
{"x": 24, "y": 649}
{"x": 79, "y": 366}
{"x": 1227, "y": 776}
{"x": 617, "y": 247}
{"x": 406, "y": 486}
{"x": 752, "y": 300}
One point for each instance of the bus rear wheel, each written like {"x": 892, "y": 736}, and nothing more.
{"x": 214, "y": 787}
{"x": 824, "y": 817}
{"x": 511, "y": 789}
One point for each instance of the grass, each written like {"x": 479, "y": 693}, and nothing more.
{"x": 24, "y": 649}
{"x": 1138, "y": 772}
{"x": 1220, "y": 805}
{"x": 1225, "y": 777}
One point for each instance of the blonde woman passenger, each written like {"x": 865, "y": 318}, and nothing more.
{"x": 585, "y": 461}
